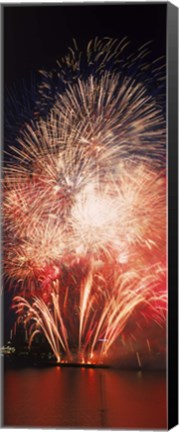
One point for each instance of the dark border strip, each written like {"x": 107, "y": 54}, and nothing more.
{"x": 172, "y": 81}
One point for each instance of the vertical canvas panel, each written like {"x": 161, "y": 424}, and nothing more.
{"x": 85, "y": 208}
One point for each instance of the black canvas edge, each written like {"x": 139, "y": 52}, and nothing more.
{"x": 172, "y": 132}
{"x": 1, "y": 152}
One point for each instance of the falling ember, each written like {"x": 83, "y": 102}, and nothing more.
{"x": 138, "y": 359}
{"x": 148, "y": 345}
{"x": 85, "y": 207}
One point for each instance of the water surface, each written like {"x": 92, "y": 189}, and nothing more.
{"x": 84, "y": 398}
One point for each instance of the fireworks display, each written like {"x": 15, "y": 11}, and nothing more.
{"x": 85, "y": 203}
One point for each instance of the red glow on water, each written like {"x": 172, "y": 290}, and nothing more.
{"x": 84, "y": 398}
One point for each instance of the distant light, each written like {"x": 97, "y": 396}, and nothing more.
{"x": 102, "y": 340}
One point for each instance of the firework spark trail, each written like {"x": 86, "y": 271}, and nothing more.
{"x": 85, "y": 204}
{"x": 40, "y": 238}
{"x": 116, "y": 309}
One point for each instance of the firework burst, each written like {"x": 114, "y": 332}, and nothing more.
{"x": 84, "y": 205}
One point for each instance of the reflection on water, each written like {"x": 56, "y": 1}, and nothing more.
{"x": 84, "y": 398}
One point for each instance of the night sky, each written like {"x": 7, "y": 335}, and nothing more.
{"x": 36, "y": 36}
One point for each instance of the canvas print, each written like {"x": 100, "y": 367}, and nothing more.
{"x": 84, "y": 212}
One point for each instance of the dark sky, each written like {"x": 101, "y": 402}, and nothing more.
{"x": 35, "y": 36}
